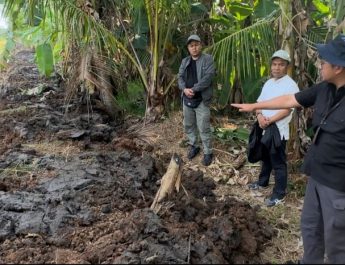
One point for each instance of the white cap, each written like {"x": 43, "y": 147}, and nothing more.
{"x": 282, "y": 54}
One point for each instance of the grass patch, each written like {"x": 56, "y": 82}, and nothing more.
{"x": 132, "y": 99}
{"x": 12, "y": 111}
{"x": 65, "y": 149}
{"x": 17, "y": 170}
{"x": 286, "y": 245}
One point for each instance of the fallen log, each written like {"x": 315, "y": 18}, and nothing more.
{"x": 170, "y": 181}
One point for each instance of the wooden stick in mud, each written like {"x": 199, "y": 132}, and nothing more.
{"x": 170, "y": 180}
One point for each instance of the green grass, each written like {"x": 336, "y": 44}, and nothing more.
{"x": 229, "y": 135}
{"x": 132, "y": 100}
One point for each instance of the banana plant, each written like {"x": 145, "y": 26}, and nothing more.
{"x": 51, "y": 27}
{"x": 328, "y": 16}
{"x": 278, "y": 27}
{"x": 248, "y": 32}
{"x": 40, "y": 35}
{"x": 243, "y": 46}
{"x": 85, "y": 31}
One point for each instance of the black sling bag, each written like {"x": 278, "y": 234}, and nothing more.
{"x": 325, "y": 117}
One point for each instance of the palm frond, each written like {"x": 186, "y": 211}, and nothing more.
{"x": 78, "y": 23}
{"x": 245, "y": 50}
{"x": 317, "y": 35}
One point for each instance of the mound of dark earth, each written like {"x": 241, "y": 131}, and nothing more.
{"x": 92, "y": 205}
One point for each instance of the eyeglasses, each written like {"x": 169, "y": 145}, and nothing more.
{"x": 192, "y": 45}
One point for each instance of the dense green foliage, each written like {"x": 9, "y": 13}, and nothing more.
{"x": 143, "y": 42}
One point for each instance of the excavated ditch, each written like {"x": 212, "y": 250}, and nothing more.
{"x": 93, "y": 205}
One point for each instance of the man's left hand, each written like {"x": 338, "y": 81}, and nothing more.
{"x": 188, "y": 92}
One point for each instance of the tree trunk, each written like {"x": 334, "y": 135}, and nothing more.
{"x": 105, "y": 87}
{"x": 154, "y": 104}
{"x": 287, "y": 35}
{"x": 300, "y": 117}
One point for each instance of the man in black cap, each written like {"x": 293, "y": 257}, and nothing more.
{"x": 323, "y": 214}
{"x": 195, "y": 82}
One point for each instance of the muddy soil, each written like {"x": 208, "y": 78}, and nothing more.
{"x": 74, "y": 188}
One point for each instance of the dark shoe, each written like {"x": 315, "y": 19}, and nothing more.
{"x": 207, "y": 159}
{"x": 193, "y": 151}
{"x": 273, "y": 201}
{"x": 255, "y": 186}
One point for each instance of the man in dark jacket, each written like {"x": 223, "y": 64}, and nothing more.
{"x": 195, "y": 82}
{"x": 323, "y": 214}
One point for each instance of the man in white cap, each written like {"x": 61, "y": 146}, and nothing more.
{"x": 195, "y": 78}
{"x": 275, "y": 124}
{"x": 323, "y": 213}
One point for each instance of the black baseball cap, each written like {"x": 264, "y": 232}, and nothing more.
{"x": 334, "y": 51}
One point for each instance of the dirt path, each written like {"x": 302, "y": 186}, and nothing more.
{"x": 76, "y": 188}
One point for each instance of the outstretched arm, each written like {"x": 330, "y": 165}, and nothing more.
{"x": 282, "y": 102}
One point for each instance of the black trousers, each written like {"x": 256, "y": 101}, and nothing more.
{"x": 275, "y": 161}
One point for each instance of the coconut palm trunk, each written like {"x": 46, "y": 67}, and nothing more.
{"x": 162, "y": 16}
{"x": 154, "y": 104}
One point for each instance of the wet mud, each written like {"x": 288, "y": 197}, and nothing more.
{"x": 72, "y": 192}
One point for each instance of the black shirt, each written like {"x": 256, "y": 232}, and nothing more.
{"x": 325, "y": 160}
{"x": 192, "y": 77}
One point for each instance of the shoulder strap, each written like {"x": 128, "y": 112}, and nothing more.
{"x": 325, "y": 117}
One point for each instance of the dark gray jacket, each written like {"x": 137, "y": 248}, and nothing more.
{"x": 205, "y": 71}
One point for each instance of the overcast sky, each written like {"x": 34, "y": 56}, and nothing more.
{"x": 3, "y": 23}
